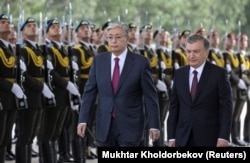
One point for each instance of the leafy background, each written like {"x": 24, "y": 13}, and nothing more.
{"x": 183, "y": 14}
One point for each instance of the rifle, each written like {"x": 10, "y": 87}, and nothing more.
{"x": 21, "y": 102}
{"x": 174, "y": 45}
{"x": 50, "y": 102}
{"x": 76, "y": 99}
{"x": 241, "y": 59}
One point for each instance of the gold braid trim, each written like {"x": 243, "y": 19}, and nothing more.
{"x": 247, "y": 64}
{"x": 107, "y": 47}
{"x": 167, "y": 61}
{"x": 218, "y": 61}
{"x": 8, "y": 62}
{"x": 64, "y": 62}
{"x": 234, "y": 61}
{"x": 153, "y": 59}
{"x": 38, "y": 60}
{"x": 243, "y": 60}
{"x": 183, "y": 57}
{"x": 85, "y": 64}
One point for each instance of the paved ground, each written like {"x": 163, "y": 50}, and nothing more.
{"x": 35, "y": 160}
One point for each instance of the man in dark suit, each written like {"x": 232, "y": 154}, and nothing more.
{"x": 205, "y": 118}
{"x": 120, "y": 117}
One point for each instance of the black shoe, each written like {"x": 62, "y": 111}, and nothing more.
{"x": 34, "y": 153}
{"x": 9, "y": 156}
{"x": 93, "y": 154}
{"x": 239, "y": 142}
{"x": 90, "y": 157}
{"x": 65, "y": 158}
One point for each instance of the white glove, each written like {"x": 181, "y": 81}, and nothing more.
{"x": 172, "y": 83}
{"x": 242, "y": 66}
{"x": 47, "y": 92}
{"x": 213, "y": 62}
{"x": 163, "y": 66}
{"x": 74, "y": 107}
{"x": 49, "y": 65}
{"x": 22, "y": 66}
{"x": 242, "y": 84}
{"x": 228, "y": 67}
{"x": 176, "y": 66}
{"x": 17, "y": 90}
{"x": 161, "y": 86}
{"x": 75, "y": 66}
{"x": 72, "y": 88}
{"x": 248, "y": 94}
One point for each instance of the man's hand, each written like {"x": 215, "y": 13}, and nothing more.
{"x": 222, "y": 143}
{"x": 81, "y": 128}
{"x": 171, "y": 143}
{"x": 154, "y": 134}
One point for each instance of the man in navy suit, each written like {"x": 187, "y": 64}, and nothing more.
{"x": 120, "y": 115}
{"x": 204, "y": 120}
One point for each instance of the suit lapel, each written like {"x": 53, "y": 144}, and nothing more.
{"x": 107, "y": 70}
{"x": 186, "y": 83}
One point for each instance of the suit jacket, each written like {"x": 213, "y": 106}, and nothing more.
{"x": 209, "y": 116}
{"x": 135, "y": 92}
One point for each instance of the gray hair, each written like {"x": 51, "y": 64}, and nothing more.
{"x": 124, "y": 26}
{"x": 196, "y": 37}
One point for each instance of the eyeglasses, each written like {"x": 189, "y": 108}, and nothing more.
{"x": 118, "y": 37}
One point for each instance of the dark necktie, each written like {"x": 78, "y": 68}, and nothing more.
{"x": 115, "y": 80}
{"x": 63, "y": 49}
{"x": 91, "y": 48}
{"x": 37, "y": 47}
{"x": 194, "y": 85}
{"x": 10, "y": 48}
{"x": 116, "y": 75}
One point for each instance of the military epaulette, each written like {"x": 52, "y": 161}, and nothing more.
{"x": 23, "y": 44}
{"x": 77, "y": 46}
{"x": 49, "y": 45}
{"x": 178, "y": 50}
{"x": 85, "y": 47}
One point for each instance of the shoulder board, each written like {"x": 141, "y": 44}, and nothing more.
{"x": 49, "y": 45}
{"x": 76, "y": 46}
{"x": 23, "y": 45}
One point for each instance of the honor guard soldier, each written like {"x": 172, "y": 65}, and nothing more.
{"x": 215, "y": 55}
{"x": 161, "y": 37}
{"x": 54, "y": 117}
{"x": 180, "y": 58}
{"x": 84, "y": 57}
{"x": 64, "y": 141}
{"x": 103, "y": 47}
{"x": 243, "y": 47}
{"x": 96, "y": 39}
{"x": 232, "y": 64}
{"x": 242, "y": 44}
{"x": 148, "y": 52}
{"x": 10, "y": 90}
{"x": 201, "y": 31}
{"x": 35, "y": 90}
{"x": 133, "y": 38}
